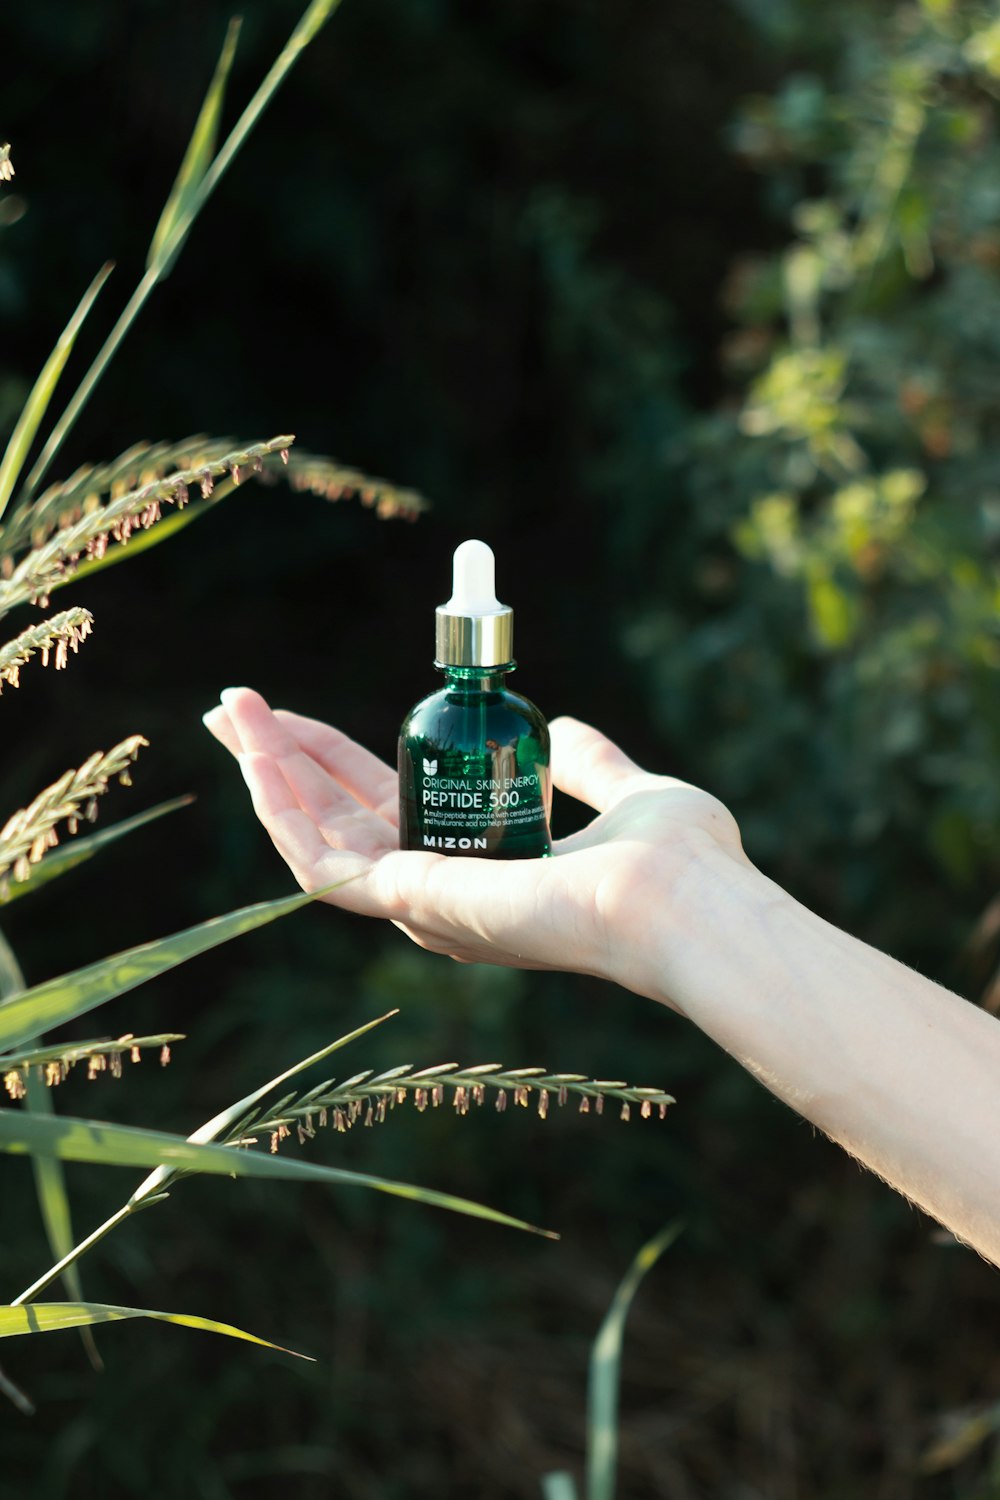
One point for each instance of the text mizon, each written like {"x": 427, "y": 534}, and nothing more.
{"x": 439, "y": 841}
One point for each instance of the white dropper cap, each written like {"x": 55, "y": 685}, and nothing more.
{"x": 474, "y": 629}
{"x": 473, "y": 589}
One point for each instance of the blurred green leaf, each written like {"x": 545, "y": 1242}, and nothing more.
{"x": 832, "y": 611}
{"x": 559, "y": 1486}
{"x": 605, "y": 1370}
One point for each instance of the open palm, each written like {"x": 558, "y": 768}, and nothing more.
{"x": 331, "y": 809}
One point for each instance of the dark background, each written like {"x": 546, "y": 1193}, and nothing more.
{"x": 485, "y": 250}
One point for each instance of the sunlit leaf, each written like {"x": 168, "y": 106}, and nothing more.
{"x": 41, "y": 393}
{"x": 110, "y": 1145}
{"x": 50, "y": 1317}
{"x": 58, "y": 1000}
{"x": 68, "y": 856}
{"x": 201, "y": 149}
{"x": 316, "y": 15}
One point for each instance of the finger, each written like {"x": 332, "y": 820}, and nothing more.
{"x": 590, "y": 767}
{"x": 340, "y": 818}
{"x": 364, "y": 775}
{"x": 293, "y": 831}
{"x": 217, "y": 722}
{"x": 255, "y": 724}
{"x": 297, "y": 839}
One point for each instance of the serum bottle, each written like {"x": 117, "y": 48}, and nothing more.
{"x": 474, "y": 757}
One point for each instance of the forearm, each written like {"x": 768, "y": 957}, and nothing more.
{"x": 903, "y": 1074}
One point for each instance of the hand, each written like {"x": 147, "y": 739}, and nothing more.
{"x": 331, "y": 809}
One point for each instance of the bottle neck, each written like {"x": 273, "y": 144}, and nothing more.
{"x": 476, "y": 679}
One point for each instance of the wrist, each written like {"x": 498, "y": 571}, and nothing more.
{"x": 687, "y": 919}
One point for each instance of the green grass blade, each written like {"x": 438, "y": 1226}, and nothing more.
{"x": 201, "y": 149}
{"x": 150, "y": 1190}
{"x": 50, "y": 1180}
{"x": 110, "y": 1145}
{"x": 317, "y": 14}
{"x": 50, "y": 1317}
{"x": 41, "y": 393}
{"x": 26, "y": 1016}
{"x": 68, "y": 856}
{"x": 315, "y": 18}
{"x": 605, "y": 1370}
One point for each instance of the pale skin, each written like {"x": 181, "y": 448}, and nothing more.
{"x": 657, "y": 895}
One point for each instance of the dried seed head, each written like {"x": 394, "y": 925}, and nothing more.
{"x": 626, "y": 1111}
{"x": 14, "y": 1084}
{"x": 164, "y": 1055}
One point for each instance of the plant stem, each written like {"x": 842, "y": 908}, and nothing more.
{"x": 53, "y": 1272}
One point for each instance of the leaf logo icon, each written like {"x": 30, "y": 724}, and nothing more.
{"x": 430, "y": 767}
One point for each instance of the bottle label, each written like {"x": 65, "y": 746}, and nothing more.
{"x": 498, "y": 807}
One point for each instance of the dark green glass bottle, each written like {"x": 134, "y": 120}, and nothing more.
{"x": 474, "y": 757}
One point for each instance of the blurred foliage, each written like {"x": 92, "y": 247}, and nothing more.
{"x": 714, "y": 375}
{"x": 829, "y": 656}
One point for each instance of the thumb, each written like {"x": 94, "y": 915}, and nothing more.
{"x": 589, "y": 766}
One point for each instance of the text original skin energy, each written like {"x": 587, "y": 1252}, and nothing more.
{"x": 474, "y": 757}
